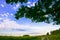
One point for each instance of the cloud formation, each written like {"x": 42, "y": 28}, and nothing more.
{"x": 1, "y": 5}
{"x": 10, "y": 27}
{"x": 16, "y": 6}
{"x": 30, "y": 4}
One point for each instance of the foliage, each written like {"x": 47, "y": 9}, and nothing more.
{"x": 54, "y": 37}
{"x": 16, "y": 1}
{"x": 43, "y": 11}
{"x": 19, "y": 38}
{"x": 46, "y": 37}
{"x": 56, "y": 32}
{"x": 47, "y": 33}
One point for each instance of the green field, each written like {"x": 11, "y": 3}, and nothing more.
{"x": 49, "y": 37}
{"x": 20, "y": 38}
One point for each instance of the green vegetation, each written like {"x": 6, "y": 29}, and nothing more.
{"x": 54, "y": 37}
{"x": 20, "y": 38}
{"x": 49, "y": 37}
{"x": 44, "y": 10}
{"x": 55, "y": 32}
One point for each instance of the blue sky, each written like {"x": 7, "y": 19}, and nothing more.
{"x": 9, "y": 26}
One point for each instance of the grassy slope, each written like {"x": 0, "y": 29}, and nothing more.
{"x": 54, "y": 37}
{"x": 50, "y": 37}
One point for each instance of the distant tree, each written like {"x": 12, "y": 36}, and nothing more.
{"x": 44, "y": 11}
{"x": 47, "y": 33}
{"x": 26, "y": 35}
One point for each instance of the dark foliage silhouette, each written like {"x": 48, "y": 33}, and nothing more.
{"x": 44, "y": 11}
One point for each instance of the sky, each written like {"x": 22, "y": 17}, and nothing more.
{"x": 9, "y": 26}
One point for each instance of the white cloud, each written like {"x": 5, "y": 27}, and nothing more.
{"x": 15, "y": 7}
{"x": 7, "y": 26}
{"x": 0, "y": 18}
{"x": 6, "y": 14}
{"x": 1, "y": 15}
{"x": 1, "y": 5}
{"x": 33, "y": 4}
{"x": 11, "y": 14}
{"x": 29, "y": 4}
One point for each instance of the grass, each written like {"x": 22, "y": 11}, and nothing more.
{"x": 20, "y": 38}
{"x": 50, "y": 37}
{"x": 54, "y": 37}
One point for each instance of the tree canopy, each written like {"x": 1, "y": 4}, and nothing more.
{"x": 44, "y": 11}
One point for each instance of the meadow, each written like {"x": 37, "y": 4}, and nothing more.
{"x": 46, "y": 37}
